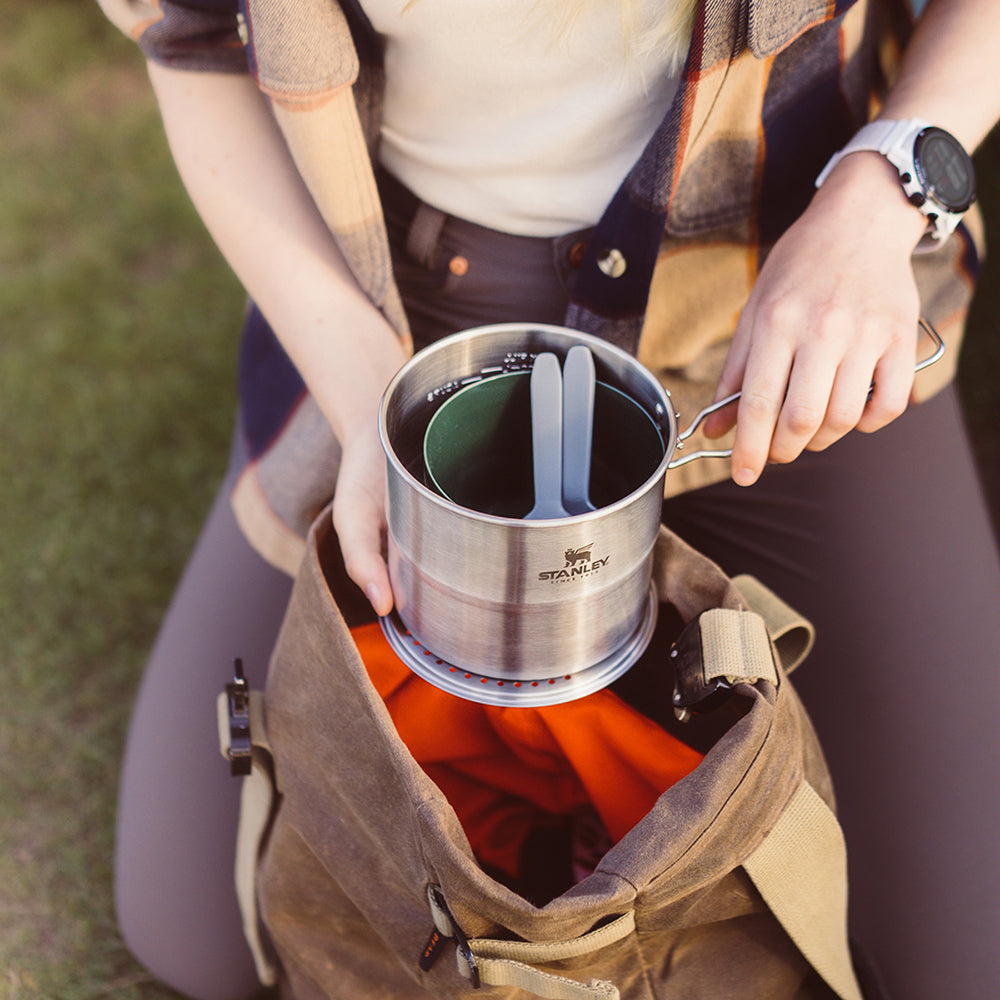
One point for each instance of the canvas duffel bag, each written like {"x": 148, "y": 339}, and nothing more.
{"x": 357, "y": 880}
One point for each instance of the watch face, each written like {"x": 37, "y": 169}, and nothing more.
{"x": 945, "y": 168}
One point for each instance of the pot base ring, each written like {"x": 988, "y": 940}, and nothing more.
{"x": 511, "y": 693}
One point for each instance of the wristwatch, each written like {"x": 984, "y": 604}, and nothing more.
{"x": 935, "y": 170}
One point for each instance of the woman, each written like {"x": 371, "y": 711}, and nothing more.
{"x": 646, "y": 175}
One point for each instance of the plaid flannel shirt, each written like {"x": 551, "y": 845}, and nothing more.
{"x": 769, "y": 90}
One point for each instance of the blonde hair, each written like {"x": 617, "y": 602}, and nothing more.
{"x": 669, "y": 30}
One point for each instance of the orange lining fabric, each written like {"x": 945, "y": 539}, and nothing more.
{"x": 507, "y": 770}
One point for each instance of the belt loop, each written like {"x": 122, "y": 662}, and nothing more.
{"x": 422, "y": 236}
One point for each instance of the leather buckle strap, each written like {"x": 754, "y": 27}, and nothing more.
{"x": 719, "y": 649}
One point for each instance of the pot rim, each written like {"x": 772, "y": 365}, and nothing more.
{"x": 665, "y": 417}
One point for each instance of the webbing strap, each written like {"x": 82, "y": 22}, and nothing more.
{"x": 792, "y": 634}
{"x": 719, "y": 649}
{"x": 503, "y": 972}
{"x": 735, "y": 646}
{"x": 503, "y": 963}
{"x": 256, "y": 803}
{"x": 800, "y": 869}
{"x": 555, "y": 951}
{"x": 257, "y": 794}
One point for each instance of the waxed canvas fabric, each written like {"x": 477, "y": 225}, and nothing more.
{"x": 360, "y": 833}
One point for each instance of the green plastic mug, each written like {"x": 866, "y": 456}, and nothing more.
{"x": 477, "y": 447}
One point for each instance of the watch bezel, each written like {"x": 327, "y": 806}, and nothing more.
{"x": 930, "y": 190}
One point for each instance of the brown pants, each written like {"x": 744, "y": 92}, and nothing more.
{"x": 883, "y": 541}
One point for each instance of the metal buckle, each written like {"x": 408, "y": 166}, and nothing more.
{"x": 433, "y": 947}
{"x": 238, "y": 710}
{"x": 701, "y": 698}
{"x": 692, "y": 693}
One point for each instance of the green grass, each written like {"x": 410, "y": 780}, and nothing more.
{"x": 116, "y": 400}
{"x": 118, "y": 338}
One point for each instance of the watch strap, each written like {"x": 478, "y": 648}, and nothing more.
{"x": 897, "y": 141}
{"x": 878, "y": 137}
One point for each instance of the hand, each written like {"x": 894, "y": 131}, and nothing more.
{"x": 359, "y": 515}
{"x": 359, "y": 500}
{"x": 834, "y": 309}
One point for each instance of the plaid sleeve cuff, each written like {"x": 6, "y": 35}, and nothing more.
{"x": 193, "y": 35}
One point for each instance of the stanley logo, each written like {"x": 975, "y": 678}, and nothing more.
{"x": 579, "y": 563}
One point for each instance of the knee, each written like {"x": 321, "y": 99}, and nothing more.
{"x": 185, "y": 943}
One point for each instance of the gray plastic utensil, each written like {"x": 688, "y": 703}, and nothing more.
{"x": 577, "y": 429}
{"x": 546, "y": 437}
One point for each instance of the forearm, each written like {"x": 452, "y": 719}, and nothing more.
{"x": 947, "y": 78}
{"x": 948, "y": 72}
{"x": 235, "y": 166}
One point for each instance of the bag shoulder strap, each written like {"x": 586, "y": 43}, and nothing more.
{"x": 792, "y": 634}
{"x": 800, "y": 869}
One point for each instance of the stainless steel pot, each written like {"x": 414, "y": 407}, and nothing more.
{"x": 486, "y": 605}
{"x": 502, "y": 597}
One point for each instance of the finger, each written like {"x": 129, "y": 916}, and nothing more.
{"x": 360, "y": 525}
{"x": 893, "y": 383}
{"x": 848, "y": 398}
{"x": 764, "y": 386}
{"x": 805, "y": 404}
{"x": 730, "y": 379}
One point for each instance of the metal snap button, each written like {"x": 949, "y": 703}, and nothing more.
{"x": 612, "y": 263}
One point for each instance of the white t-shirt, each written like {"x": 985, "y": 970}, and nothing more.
{"x": 498, "y": 112}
